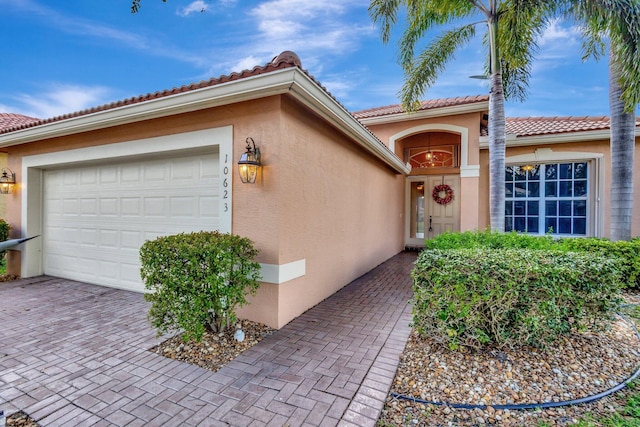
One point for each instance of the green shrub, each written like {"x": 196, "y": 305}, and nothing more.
{"x": 511, "y": 297}
{"x": 627, "y": 251}
{"x": 4, "y": 235}
{"x": 489, "y": 239}
{"x": 197, "y": 280}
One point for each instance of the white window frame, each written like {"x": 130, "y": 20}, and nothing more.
{"x": 596, "y": 201}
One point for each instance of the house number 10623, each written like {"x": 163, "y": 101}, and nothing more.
{"x": 225, "y": 182}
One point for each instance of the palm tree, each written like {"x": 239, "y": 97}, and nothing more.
{"x": 512, "y": 28}
{"x": 620, "y": 21}
{"x": 135, "y": 6}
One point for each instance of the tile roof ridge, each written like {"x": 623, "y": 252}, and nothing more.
{"x": 11, "y": 120}
{"x": 425, "y": 104}
{"x": 17, "y": 115}
{"x": 286, "y": 59}
{"x": 560, "y": 118}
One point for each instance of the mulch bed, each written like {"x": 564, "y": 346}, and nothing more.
{"x": 216, "y": 349}
{"x": 20, "y": 419}
{"x": 574, "y": 367}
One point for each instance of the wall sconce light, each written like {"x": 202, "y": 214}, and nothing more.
{"x": 249, "y": 163}
{"x": 7, "y": 181}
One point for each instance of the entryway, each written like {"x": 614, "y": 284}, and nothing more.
{"x": 433, "y": 207}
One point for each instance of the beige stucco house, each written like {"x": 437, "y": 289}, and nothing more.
{"x": 337, "y": 194}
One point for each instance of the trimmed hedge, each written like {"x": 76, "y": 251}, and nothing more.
{"x": 197, "y": 280}
{"x": 490, "y": 239}
{"x": 511, "y": 297}
{"x": 4, "y": 235}
{"x": 627, "y": 251}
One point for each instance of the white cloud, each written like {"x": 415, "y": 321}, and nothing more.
{"x": 295, "y": 10}
{"x": 71, "y": 24}
{"x": 557, "y": 34}
{"x": 61, "y": 99}
{"x": 193, "y": 7}
{"x": 247, "y": 63}
{"x": 79, "y": 26}
{"x": 308, "y": 27}
{"x": 339, "y": 87}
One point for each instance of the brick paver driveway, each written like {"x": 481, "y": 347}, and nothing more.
{"x": 73, "y": 354}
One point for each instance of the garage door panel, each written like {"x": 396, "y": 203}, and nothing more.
{"x": 155, "y": 206}
{"x": 97, "y": 217}
{"x": 108, "y": 175}
{"x": 88, "y": 176}
{"x": 106, "y": 238}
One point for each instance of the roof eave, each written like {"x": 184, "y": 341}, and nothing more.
{"x": 555, "y": 138}
{"x": 472, "y": 107}
{"x": 222, "y": 94}
{"x": 319, "y": 101}
{"x": 290, "y": 80}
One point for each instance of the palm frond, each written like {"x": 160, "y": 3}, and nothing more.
{"x": 424, "y": 16}
{"x": 620, "y": 20}
{"x": 515, "y": 82}
{"x": 521, "y": 23}
{"x": 423, "y": 72}
{"x": 384, "y": 12}
{"x": 593, "y": 45}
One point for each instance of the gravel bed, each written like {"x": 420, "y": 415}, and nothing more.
{"x": 20, "y": 419}
{"x": 216, "y": 349}
{"x": 579, "y": 366}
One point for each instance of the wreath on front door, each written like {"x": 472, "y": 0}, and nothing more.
{"x": 439, "y": 198}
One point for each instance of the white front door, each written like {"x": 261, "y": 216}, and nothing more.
{"x": 426, "y": 218}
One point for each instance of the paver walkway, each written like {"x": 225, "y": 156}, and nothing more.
{"x": 73, "y": 354}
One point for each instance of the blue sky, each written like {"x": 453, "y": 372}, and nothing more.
{"x": 61, "y": 56}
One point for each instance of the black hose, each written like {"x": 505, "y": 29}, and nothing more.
{"x": 526, "y": 406}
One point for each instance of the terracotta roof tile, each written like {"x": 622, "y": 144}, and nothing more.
{"x": 12, "y": 120}
{"x": 286, "y": 59}
{"x": 530, "y": 126}
{"x": 425, "y": 105}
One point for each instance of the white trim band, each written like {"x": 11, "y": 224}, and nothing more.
{"x": 279, "y": 274}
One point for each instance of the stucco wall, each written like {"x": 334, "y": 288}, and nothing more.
{"x": 339, "y": 209}
{"x": 344, "y": 208}
{"x": 318, "y": 198}
{"x": 253, "y": 206}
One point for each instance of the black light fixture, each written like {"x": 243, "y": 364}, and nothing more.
{"x": 429, "y": 153}
{"x": 7, "y": 181}
{"x": 249, "y": 163}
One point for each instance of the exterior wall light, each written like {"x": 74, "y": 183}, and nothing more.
{"x": 249, "y": 163}
{"x": 7, "y": 181}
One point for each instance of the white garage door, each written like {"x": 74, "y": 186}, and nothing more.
{"x": 96, "y": 217}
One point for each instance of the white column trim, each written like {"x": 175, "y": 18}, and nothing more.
{"x": 282, "y": 273}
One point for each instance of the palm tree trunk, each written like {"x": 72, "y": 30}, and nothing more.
{"x": 623, "y": 125}
{"x": 497, "y": 153}
{"x": 497, "y": 130}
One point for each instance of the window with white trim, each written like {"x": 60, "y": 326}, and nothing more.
{"x": 548, "y": 198}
